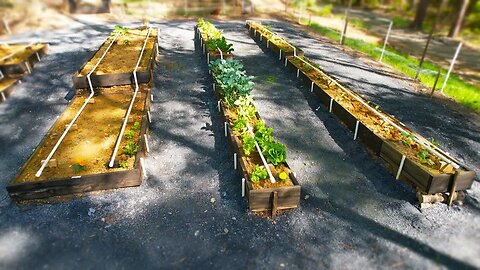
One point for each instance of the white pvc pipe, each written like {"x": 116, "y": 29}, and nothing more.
{"x": 451, "y": 66}
{"x": 439, "y": 154}
{"x": 39, "y": 172}
{"x": 265, "y": 163}
{"x": 275, "y": 34}
{"x": 386, "y": 40}
{"x": 221, "y": 53}
{"x": 125, "y": 121}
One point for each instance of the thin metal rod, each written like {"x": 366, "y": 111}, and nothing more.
{"x": 259, "y": 150}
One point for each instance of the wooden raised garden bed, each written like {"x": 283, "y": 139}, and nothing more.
{"x": 262, "y": 195}
{"x": 408, "y": 155}
{"x": 15, "y": 61}
{"x": 81, "y": 161}
{"x": 119, "y": 62}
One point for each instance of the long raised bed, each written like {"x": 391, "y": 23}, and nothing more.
{"x": 118, "y": 63}
{"x": 97, "y": 143}
{"x": 271, "y": 197}
{"x": 408, "y": 155}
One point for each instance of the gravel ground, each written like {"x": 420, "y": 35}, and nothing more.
{"x": 189, "y": 212}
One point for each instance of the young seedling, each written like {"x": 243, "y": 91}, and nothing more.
{"x": 79, "y": 166}
{"x": 424, "y": 157}
{"x": 136, "y": 126}
{"x": 130, "y": 149}
{"x": 407, "y": 138}
{"x": 123, "y": 164}
{"x": 129, "y": 135}
{"x": 258, "y": 174}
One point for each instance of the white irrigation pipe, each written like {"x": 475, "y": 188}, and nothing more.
{"x": 39, "y": 172}
{"x": 221, "y": 53}
{"x": 275, "y": 34}
{"x": 125, "y": 121}
{"x": 265, "y": 163}
{"x": 439, "y": 154}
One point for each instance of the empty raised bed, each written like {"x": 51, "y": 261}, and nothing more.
{"x": 15, "y": 61}
{"x": 435, "y": 175}
{"x": 267, "y": 180}
{"x": 100, "y": 139}
{"x": 121, "y": 57}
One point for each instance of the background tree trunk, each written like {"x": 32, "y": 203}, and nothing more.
{"x": 420, "y": 14}
{"x": 458, "y": 23}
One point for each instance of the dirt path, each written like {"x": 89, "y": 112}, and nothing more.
{"x": 189, "y": 212}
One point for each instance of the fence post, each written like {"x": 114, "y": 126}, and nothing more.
{"x": 386, "y": 40}
{"x": 344, "y": 32}
{"x": 451, "y": 66}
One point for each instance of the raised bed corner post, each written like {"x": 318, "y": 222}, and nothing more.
{"x": 453, "y": 187}
{"x": 125, "y": 121}
{"x": 69, "y": 126}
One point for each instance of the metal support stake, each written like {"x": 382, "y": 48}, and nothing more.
{"x": 400, "y": 167}
{"x": 243, "y": 187}
{"x": 311, "y": 88}
{"x": 235, "y": 161}
{"x": 226, "y": 127}
{"x": 356, "y": 130}
{"x": 147, "y": 147}
{"x": 280, "y": 56}
{"x": 330, "y": 107}
{"x": 298, "y": 72}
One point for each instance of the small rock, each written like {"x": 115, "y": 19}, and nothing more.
{"x": 307, "y": 196}
{"x": 282, "y": 265}
{"x": 197, "y": 233}
{"x": 234, "y": 218}
{"x": 213, "y": 200}
{"x": 91, "y": 211}
{"x": 225, "y": 230}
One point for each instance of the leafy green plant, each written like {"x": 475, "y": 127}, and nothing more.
{"x": 263, "y": 135}
{"x": 407, "y": 138}
{"x": 129, "y": 135}
{"x": 240, "y": 124}
{"x": 434, "y": 142}
{"x": 126, "y": 41}
{"x": 121, "y": 30}
{"x": 136, "y": 126}
{"x": 424, "y": 157}
{"x": 219, "y": 43}
{"x": 248, "y": 143}
{"x": 258, "y": 174}
{"x": 79, "y": 166}
{"x": 123, "y": 164}
{"x": 274, "y": 153}
{"x": 387, "y": 128}
{"x": 130, "y": 149}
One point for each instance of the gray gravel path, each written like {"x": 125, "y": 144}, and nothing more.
{"x": 352, "y": 214}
